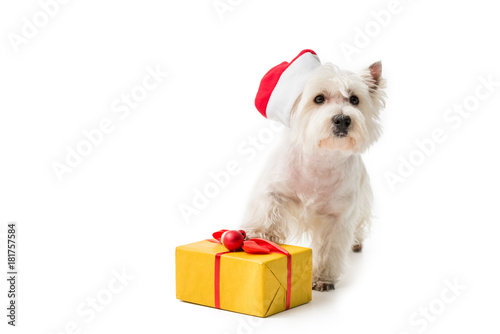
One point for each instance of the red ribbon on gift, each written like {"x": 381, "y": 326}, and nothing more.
{"x": 253, "y": 246}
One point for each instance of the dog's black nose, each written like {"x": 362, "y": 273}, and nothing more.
{"x": 341, "y": 123}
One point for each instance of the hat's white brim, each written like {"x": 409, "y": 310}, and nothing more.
{"x": 290, "y": 85}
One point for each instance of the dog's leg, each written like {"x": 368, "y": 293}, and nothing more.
{"x": 360, "y": 235}
{"x": 365, "y": 213}
{"x": 267, "y": 217}
{"x": 331, "y": 243}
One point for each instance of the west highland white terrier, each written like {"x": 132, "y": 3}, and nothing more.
{"x": 316, "y": 185}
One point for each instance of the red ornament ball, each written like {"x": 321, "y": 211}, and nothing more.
{"x": 232, "y": 240}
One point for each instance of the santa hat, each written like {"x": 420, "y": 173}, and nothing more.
{"x": 282, "y": 85}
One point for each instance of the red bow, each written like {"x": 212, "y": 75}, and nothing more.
{"x": 255, "y": 245}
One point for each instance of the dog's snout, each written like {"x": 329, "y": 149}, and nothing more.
{"x": 342, "y": 123}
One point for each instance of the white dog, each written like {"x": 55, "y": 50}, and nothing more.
{"x": 317, "y": 184}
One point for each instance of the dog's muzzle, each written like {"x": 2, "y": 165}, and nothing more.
{"x": 341, "y": 125}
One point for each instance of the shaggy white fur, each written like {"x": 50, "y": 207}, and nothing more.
{"x": 316, "y": 184}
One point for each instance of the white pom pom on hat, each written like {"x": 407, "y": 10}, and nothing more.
{"x": 283, "y": 84}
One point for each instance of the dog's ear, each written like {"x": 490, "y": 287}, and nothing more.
{"x": 374, "y": 76}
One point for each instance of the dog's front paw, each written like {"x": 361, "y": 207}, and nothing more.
{"x": 323, "y": 286}
{"x": 274, "y": 238}
{"x": 266, "y": 235}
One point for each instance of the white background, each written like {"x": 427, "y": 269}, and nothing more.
{"x": 119, "y": 209}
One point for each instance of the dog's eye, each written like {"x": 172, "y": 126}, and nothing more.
{"x": 319, "y": 99}
{"x": 354, "y": 99}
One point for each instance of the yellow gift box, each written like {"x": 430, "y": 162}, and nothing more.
{"x": 254, "y": 284}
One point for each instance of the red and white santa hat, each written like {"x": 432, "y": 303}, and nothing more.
{"x": 282, "y": 85}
